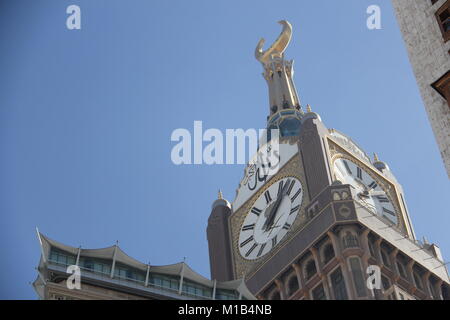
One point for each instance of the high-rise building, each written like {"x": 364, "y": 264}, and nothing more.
{"x": 425, "y": 25}
{"x": 327, "y": 219}
{"x": 110, "y": 274}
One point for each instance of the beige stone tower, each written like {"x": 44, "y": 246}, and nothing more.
{"x": 425, "y": 25}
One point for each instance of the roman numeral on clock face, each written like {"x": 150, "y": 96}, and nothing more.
{"x": 261, "y": 249}
{"x": 383, "y": 199}
{"x": 280, "y": 187}
{"x": 256, "y": 211}
{"x": 290, "y": 187}
{"x": 251, "y": 249}
{"x": 250, "y": 239}
{"x": 296, "y": 194}
{"x": 274, "y": 241}
{"x": 248, "y": 227}
{"x": 286, "y": 226}
{"x": 373, "y": 185}
{"x": 359, "y": 172}
{"x": 267, "y": 196}
{"x": 388, "y": 212}
{"x": 294, "y": 209}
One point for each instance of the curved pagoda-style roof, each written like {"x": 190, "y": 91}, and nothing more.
{"x": 114, "y": 252}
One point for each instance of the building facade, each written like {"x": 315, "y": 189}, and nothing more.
{"x": 322, "y": 222}
{"x": 110, "y": 274}
{"x": 425, "y": 25}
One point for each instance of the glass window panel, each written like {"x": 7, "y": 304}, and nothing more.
{"x": 338, "y": 285}
{"x": 319, "y": 293}
{"x": 358, "y": 277}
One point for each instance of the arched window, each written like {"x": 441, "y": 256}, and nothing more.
{"x": 328, "y": 253}
{"x": 310, "y": 269}
{"x": 418, "y": 280}
{"x": 371, "y": 246}
{"x": 350, "y": 240}
{"x": 385, "y": 257}
{"x": 432, "y": 288}
{"x": 292, "y": 285}
{"x": 401, "y": 269}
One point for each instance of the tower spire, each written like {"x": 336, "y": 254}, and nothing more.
{"x": 375, "y": 157}
{"x": 279, "y": 72}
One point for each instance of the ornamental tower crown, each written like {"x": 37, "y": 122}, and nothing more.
{"x": 285, "y": 112}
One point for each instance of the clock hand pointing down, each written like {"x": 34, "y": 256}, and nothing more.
{"x": 269, "y": 221}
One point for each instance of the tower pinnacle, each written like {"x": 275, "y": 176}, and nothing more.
{"x": 279, "y": 72}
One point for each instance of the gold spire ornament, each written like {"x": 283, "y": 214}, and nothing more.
{"x": 278, "y": 47}
{"x": 278, "y": 72}
{"x": 220, "y": 195}
{"x": 308, "y": 108}
{"x": 375, "y": 157}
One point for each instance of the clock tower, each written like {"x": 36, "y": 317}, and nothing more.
{"x": 331, "y": 223}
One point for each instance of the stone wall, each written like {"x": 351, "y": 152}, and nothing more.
{"x": 430, "y": 59}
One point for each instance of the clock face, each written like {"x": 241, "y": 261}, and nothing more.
{"x": 369, "y": 192}
{"x": 270, "y": 218}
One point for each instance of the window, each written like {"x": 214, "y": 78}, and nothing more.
{"x": 417, "y": 274}
{"x": 88, "y": 264}
{"x": 60, "y": 257}
{"x": 124, "y": 272}
{"x": 328, "y": 253}
{"x": 371, "y": 248}
{"x": 358, "y": 277}
{"x": 386, "y": 283}
{"x": 418, "y": 281}
{"x": 164, "y": 282}
{"x": 226, "y": 295}
{"x": 338, "y": 285}
{"x": 196, "y": 289}
{"x": 443, "y": 19}
{"x": 442, "y": 86}
{"x": 318, "y": 293}
{"x": 292, "y": 285}
{"x": 350, "y": 240}
{"x": 310, "y": 269}
{"x": 401, "y": 269}
{"x": 385, "y": 257}
{"x": 431, "y": 286}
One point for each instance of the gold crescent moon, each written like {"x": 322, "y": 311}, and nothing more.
{"x": 279, "y": 46}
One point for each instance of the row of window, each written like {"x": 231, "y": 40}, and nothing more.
{"x": 103, "y": 267}
{"x": 336, "y": 284}
{"x": 400, "y": 265}
{"x": 349, "y": 240}
{"x": 327, "y": 253}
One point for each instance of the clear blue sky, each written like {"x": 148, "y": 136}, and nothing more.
{"x": 86, "y": 117}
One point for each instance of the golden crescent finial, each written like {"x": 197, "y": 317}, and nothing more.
{"x": 375, "y": 157}
{"x": 278, "y": 47}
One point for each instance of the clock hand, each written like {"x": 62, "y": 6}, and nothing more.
{"x": 270, "y": 218}
{"x": 274, "y": 225}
